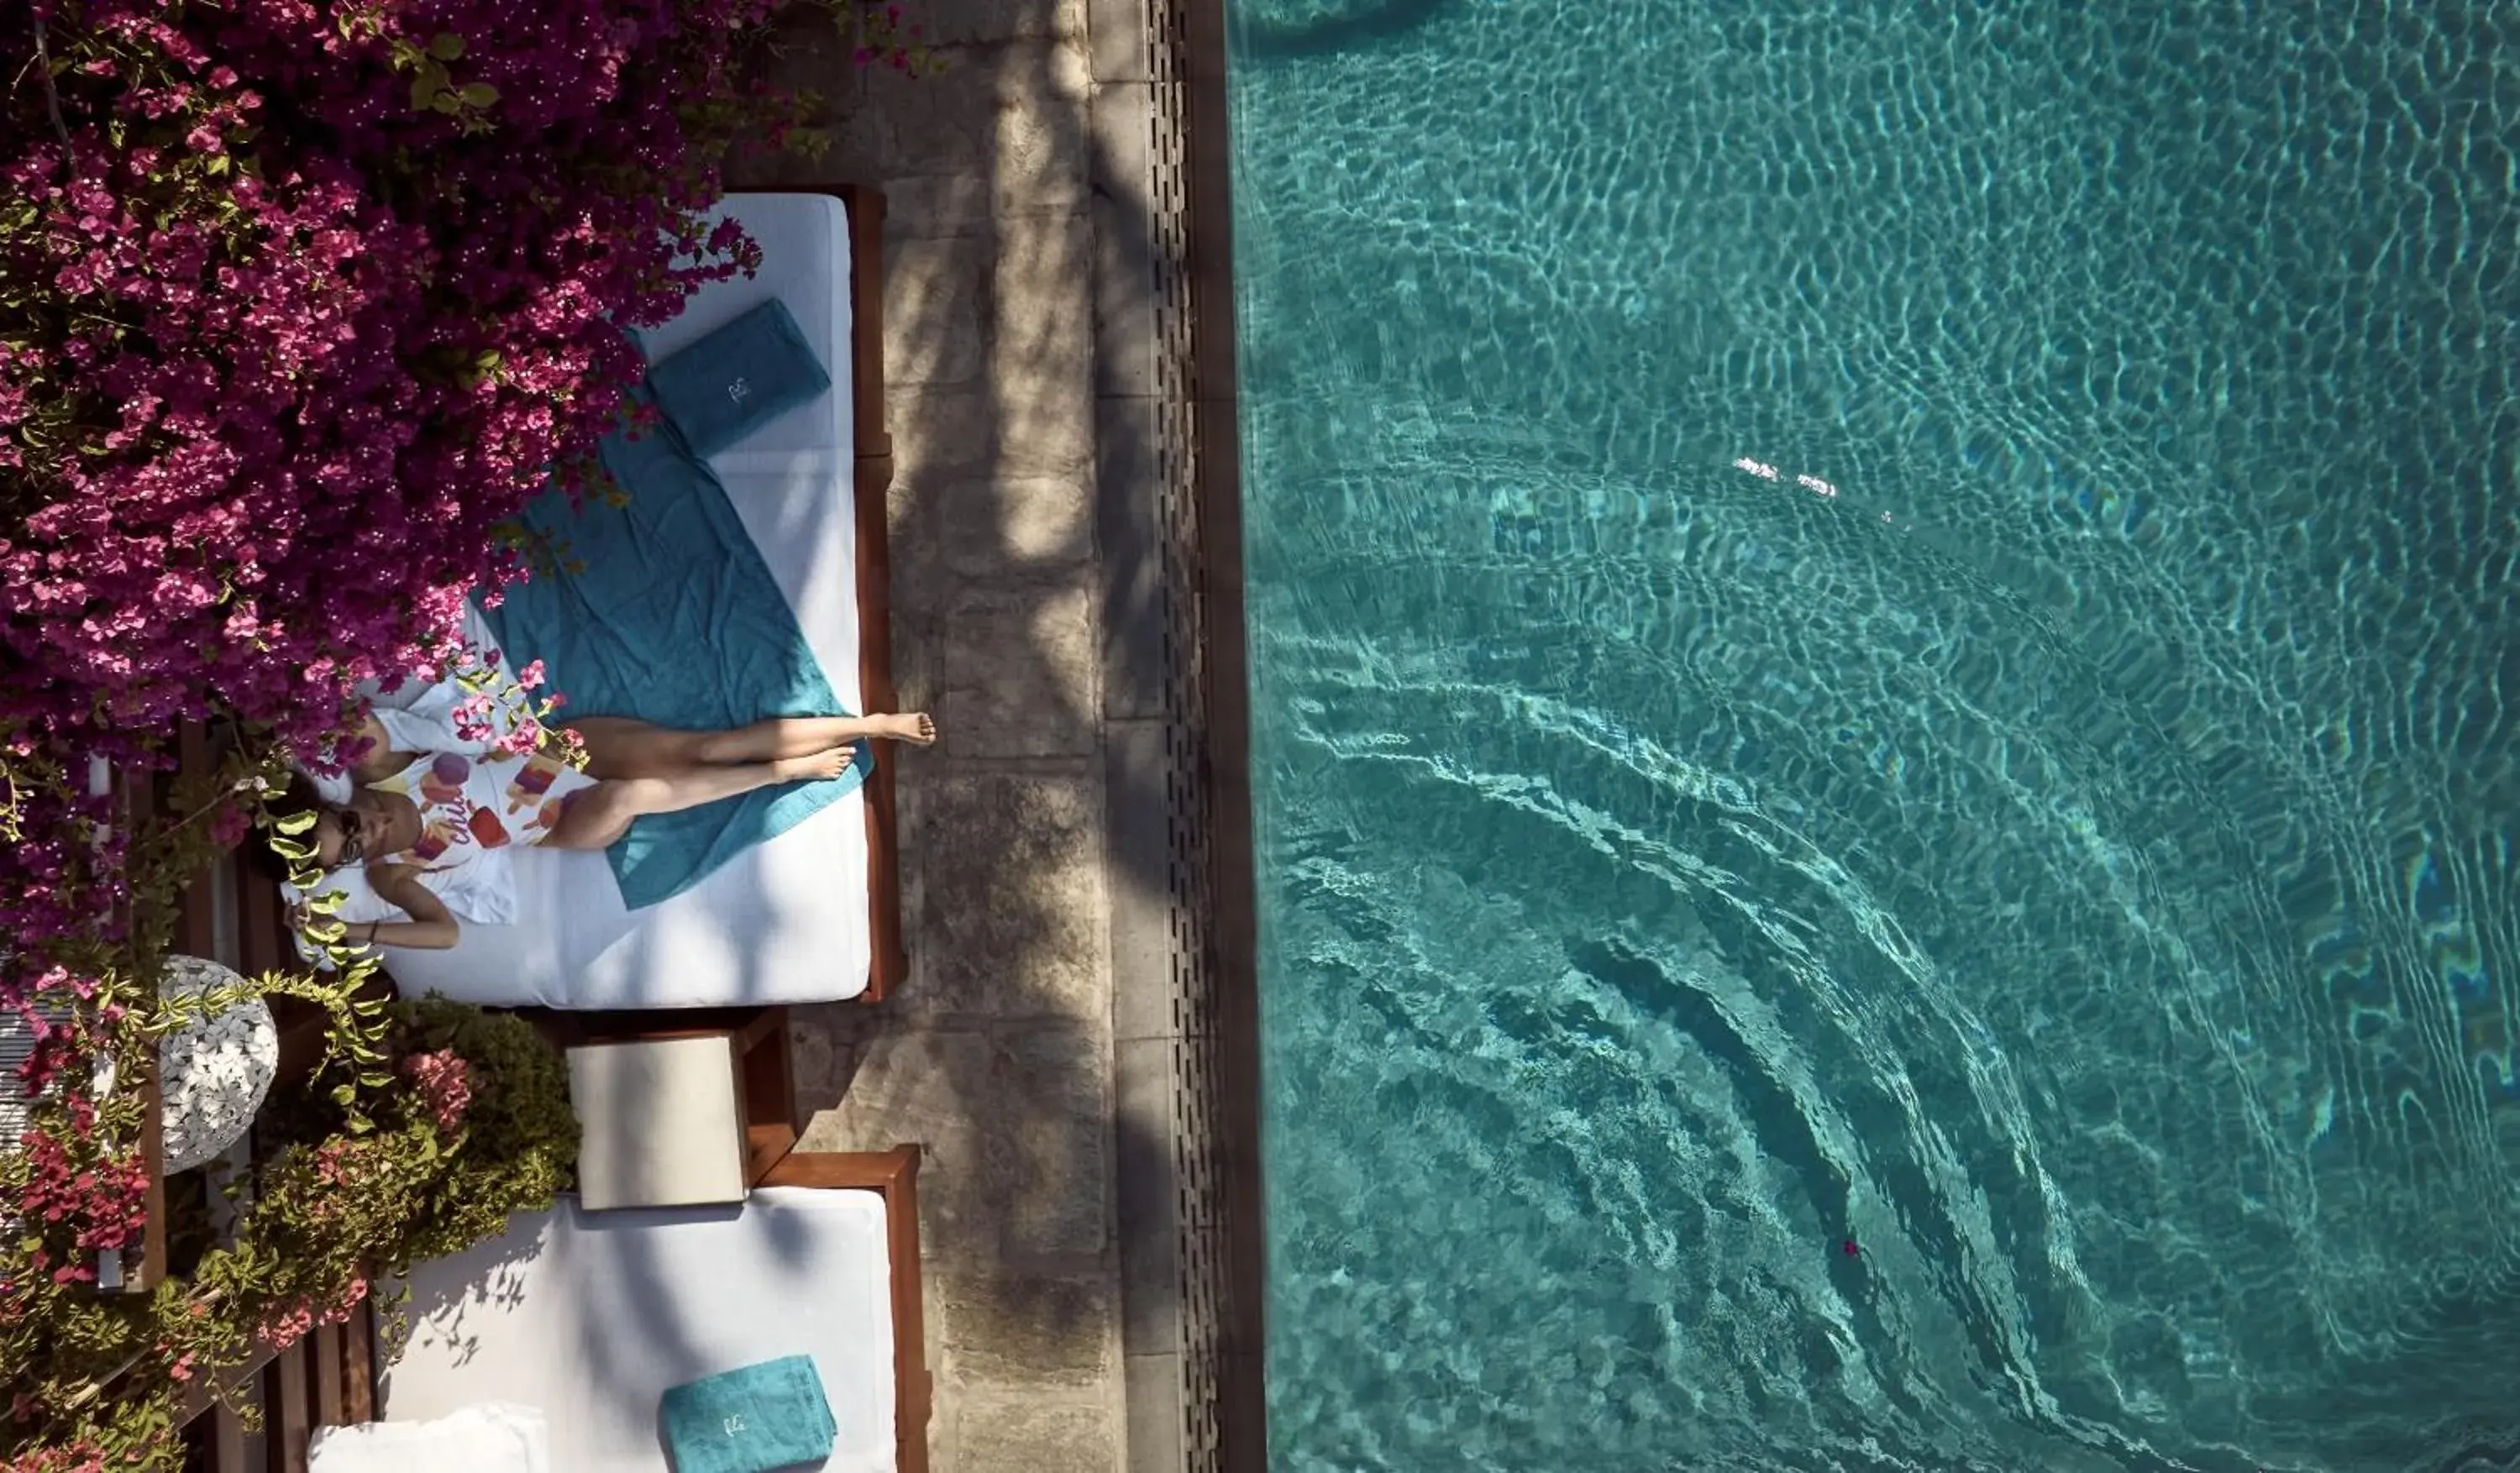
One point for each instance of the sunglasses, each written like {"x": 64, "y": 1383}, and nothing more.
{"x": 352, "y": 849}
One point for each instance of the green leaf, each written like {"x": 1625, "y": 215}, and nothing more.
{"x": 293, "y": 824}
{"x": 344, "y": 1093}
{"x": 424, "y": 91}
{"x": 446, "y": 102}
{"x": 446, "y": 46}
{"x": 478, "y": 94}
{"x": 292, "y": 849}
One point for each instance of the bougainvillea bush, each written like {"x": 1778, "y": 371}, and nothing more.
{"x": 301, "y": 301}
{"x": 468, "y": 1121}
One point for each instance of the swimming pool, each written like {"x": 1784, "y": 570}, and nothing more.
{"x": 1883, "y": 649}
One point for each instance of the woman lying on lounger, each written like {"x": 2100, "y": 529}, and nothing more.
{"x": 441, "y": 813}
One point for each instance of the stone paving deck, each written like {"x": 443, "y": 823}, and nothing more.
{"x": 1030, "y": 1047}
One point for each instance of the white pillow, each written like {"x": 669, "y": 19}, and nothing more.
{"x": 493, "y": 1437}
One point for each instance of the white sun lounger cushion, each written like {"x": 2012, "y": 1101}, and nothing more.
{"x": 786, "y": 921}
{"x": 593, "y": 1316}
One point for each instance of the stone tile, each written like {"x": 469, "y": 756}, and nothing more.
{"x": 916, "y": 510}
{"x": 1040, "y": 135}
{"x": 1016, "y": 527}
{"x": 815, "y": 1059}
{"x": 1046, "y": 1159}
{"x": 1122, "y": 119}
{"x": 1019, "y": 673}
{"x": 1149, "y": 1207}
{"x": 941, "y": 434}
{"x": 1011, "y": 920}
{"x": 1027, "y": 1435}
{"x": 1129, "y": 543}
{"x": 807, "y": 53}
{"x": 936, "y": 297}
{"x": 913, "y": 1085}
{"x": 1041, "y": 344}
{"x": 918, "y": 656}
{"x": 1010, "y": 1331}
{"x": 1008, "y": 112}
{"x": 943, "y": 206}
{"x": 823, "y": 1044}
{"x": 1116, "y": 31}
{"x": 1125, "y": 243}
{"x": 1138, "y": 829}
{"x": 1154, "y": 1390}
{"x": 1124, "y": 295}
{"x": 900, "y": 127}
{"x": 931, "y": 1088}
{"x": 986, "y": 22}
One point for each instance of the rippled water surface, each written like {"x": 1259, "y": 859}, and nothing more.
{"x": 1885, "y": 623}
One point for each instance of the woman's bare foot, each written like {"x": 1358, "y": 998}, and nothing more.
{"x": 916, "y": 728}
{"x": 817, "y": 767}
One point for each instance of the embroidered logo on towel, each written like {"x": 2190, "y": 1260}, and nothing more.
{"x": 737, "y": 390}
{"x": 735, "y": 1425}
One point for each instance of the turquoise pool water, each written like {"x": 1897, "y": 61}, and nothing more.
{"x": 1885, "y": 623}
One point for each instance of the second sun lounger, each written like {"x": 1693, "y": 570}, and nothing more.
{"x": 590, "y": 1316}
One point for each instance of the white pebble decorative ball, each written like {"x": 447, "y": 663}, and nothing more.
{"x": 214, "y": 1071}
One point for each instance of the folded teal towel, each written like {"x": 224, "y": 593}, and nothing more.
{"x": 737, "y": 378}
{"x": 751, "y": 1420}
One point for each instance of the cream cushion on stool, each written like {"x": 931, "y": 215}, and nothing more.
{"x": 662, "y": 1120}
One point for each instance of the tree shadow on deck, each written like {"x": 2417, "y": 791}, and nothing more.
{"x": 1037, "y": 608}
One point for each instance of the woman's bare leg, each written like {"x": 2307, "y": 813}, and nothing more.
{"x": 598, "y": 815}
{"x": 624, "y": 747}
{"x": 619, "y": 746}
{"x": 803, "y": 735}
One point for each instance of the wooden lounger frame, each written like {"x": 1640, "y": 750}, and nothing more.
{"x": 894, "y": 1173}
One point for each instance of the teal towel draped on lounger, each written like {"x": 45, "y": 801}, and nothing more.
{"x": 669, "y": 614}
{"x": 751, "y": 1420}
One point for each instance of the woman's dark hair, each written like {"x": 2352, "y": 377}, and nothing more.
{"x": 300, "y": 796}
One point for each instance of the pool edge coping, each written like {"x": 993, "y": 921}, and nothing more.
{"x": 1184, "y": 1033}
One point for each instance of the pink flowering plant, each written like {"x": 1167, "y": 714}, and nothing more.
{"x": 501, "y": 707}
{"x": 469, "y": 1124}
{"x": 300, "y": 302}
